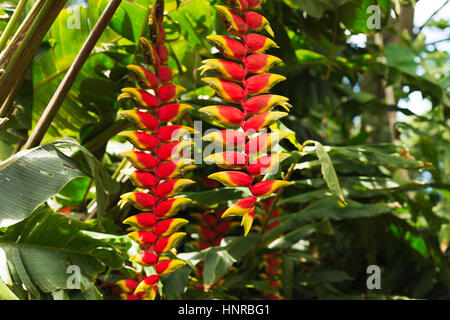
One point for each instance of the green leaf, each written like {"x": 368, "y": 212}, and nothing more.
{"x": 217, "y": 264}
{"x": 401, "y": 57}
{"x": 50, "y": 67}
{"x": 30, "y": 178}
{"x": 6, "y": 293}
{"x": 261, "y": 286}
{"x": 41, "y": 248}
{"x": 238, "y": 247}
{"x": 104, "y": 185}
{"x": 328, "y": 171}
{"x": 176, "y": 282}
{"x": 376, "y": 156}
{"x": 310, "y": 57}
{"x": 210, "y": 197}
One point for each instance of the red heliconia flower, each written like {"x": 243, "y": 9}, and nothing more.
{"x": 169, "y": 208}
{"x": 169, "y": 92}
{"x": 151, "y": 56}
{"x": 254, "y": 4}
{"x": 262, "y": 83}
{"x": 168, "y": 243}
{"x": 165, "y": 74}
{"x": 227, "y": 69}
{"x": 266, "y": 164}
{"x": 208, "y": 219}
{"x": 129, "y": 296}
{"x": 127, "y": 285}
{"x": 142, "y": 221}
{"x": 265, "y": 188}
{"x": 172, "y": 150}
{"x": 145, "y": 258}
{"x": 260, "y": 63}
{"x": 228, "y": 116}
{"x": 224, "y": 227}
{"x": 235, "y": 87}
{"x": 207, "y": 233}
{"x": 153, "y": 30}
{"x": 229, "y": 47}
{"x": 238, "y": 6}
{"x": 141, "y": 160}
{"x": 233, "y": 23}
{"x": 146, "y": 78}
{"x": 173, "y": 132}
{"x": 141, "y": 120}
{"x": 155, "y": 233}
{"x": 264, "y": 103}
{"x": 227, "y": 138}
{"x": 163, "y": 53}
{"x": 256, "y": 22}
{"x": 169, "y": 266}
{"x": 143, "y": 98}
{"x": 171, "y": 169}
{"x": 232, "y": 178}
{"x": 228, "y": 159}
{"x": 140, "y": 140}
{"x": 144, "y": 180}
{"x": 170, "y": 188}
{"x": 262, "y": 120}
{"x": 241, "y": 208}
{"x": 158, "y": 11}
{"x": 140, "y": 200}
{"x": 147, "y": 283}
{"x": 257, "y": 43}
{"x": 168, "y": 226}
{"x": 143, "y": 237}
{"x": 173, "y": 112}
{"x": 227, "y": 90}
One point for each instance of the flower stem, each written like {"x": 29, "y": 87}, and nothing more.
{"x": 12, "y": 23}
{"x": 58, "y": 98}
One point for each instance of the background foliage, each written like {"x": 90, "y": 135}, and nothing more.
{"x": 369, "y": 190}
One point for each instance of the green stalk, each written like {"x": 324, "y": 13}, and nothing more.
{"x": 20, "y": 51}
{"x": 12, "y": 23}
{"x": 55, "y": 103}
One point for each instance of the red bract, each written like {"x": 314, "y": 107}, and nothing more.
{"x": 235, "y": 87}
{"x": 155, "y": 233}
{"x": 258, "y": 43}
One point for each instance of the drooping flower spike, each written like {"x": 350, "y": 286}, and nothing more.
{"x": 245, "y": 81}
{"x": 158, "y": 161}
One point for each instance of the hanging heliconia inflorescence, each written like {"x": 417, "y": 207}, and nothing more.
{"x": 156, "y": 230}
{"x": 243, "y": 81}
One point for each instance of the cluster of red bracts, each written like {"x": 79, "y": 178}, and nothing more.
{"x": 244, "y": 81}
{"x": 155, "y": 230}
{"x": 211, "y": 231}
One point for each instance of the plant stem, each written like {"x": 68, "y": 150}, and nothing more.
{"x": 58, "y": 98}
{"x": 3, "y": 121}
{"x": 8, "y": 105}
{"x": 12, "y": 23}
{"x": 18, "y": 55}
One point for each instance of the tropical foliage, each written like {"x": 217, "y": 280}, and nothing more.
{"x": 353, "y": 178}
